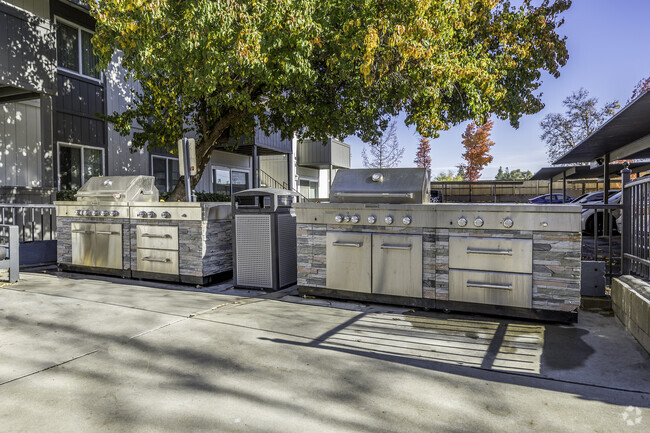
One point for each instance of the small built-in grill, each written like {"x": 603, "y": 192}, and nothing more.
{"x": 379, "y": 239}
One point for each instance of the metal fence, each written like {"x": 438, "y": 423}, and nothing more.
{"x": 36, "y": 222}
{"x": 636, "y": 226}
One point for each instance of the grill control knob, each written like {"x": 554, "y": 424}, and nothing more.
{"x": 355, "y": 219}
{"x": 372, "y": 219}
{"x": 388, "y": 220}
{"x": 544, "y": 224}
{"x": 79, "y": 212}
{"x": 478, "y": 222}
{"x": 508, "y": 223}
{"x": 166, "y": 215}
{"x": 97, "y": 213}
{"x": 152, "y": 214}
{"x": 462, "y": 221}
{"x": 338, "y": 218}
{"x": 142, "y": 214}
{"x": 406, "y": 220}
{"x": 115, "y": 213}
{"x": 88, "y": 212}
{"x": 105, "y": 213}
{"x": 346, "y": 218}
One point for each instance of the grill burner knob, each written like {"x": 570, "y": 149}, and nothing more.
{"x": 88, "y": 212}
{"x": 544, "y": 224}
{"x": 166, "y": 215}
{"x": 142, "y": 214}
{"x": 115, "y": 213}
{"x": 406, "y": 220}
{"x": 338, "y": 218}
{"x": 105, "y": 213}
{"x": 508, "y": 223}
{"x": 478, "y": 222}
{"x": 462, "y": 221}
{"x": 152, "y": 214}
{"x": 355, "y": 219}
{"x": 347, "y": 218}
{"x": 79, "y": 212}
{"x": 372, "y": 219}
{"x": 388, "y": 220}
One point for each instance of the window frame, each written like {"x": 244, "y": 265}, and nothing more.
{"x": 82, "y": 147}
{"x": 166, "y": 158}
{"x": 230, "y": 170}
{"x": 79, "y": 50}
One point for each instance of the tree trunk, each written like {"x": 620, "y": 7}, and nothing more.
{"x": 204, "y": 149}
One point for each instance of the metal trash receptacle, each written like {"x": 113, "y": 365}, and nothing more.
{"x": 264, "y": 239}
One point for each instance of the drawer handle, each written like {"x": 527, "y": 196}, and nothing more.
{"x": 83, "y": 232}
{"x": 489, "y": 285}
{"x": 495, "y": 252}
{"x": 155, "y": 259}
{"x": 107, "y": 233}
{"x": 348, "y": 244}
{"x": 395, "y": 247}
{"x": 151, "y": 235}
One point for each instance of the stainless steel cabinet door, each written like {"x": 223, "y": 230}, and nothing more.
{"x": 397, "y": 265}
{"x": 495, "y": 288}
{"x": 157, "y": 261}
{"x": 107, "y": 251}
{"x": 349, "y": 261}
{"x": 83, "y": 239}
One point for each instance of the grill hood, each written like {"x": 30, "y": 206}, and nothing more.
{"x": 385, "y": 185}
{"x": 118, "y": 189}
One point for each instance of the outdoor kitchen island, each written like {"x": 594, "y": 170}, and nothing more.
{"x": 514, "y": 260}
{"x": 118, "y": 227}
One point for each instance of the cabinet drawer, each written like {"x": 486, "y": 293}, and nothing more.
{"x": 397, "y": 265}
{"x": 348, "y": 261}
{"x": 495, "y": 288}
{"x": 158, "y": 261}
{"x": 157, "y": 237}
{"x": 491, "y": 254}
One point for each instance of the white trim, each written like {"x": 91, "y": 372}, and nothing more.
{"x": 79, "y": 52}
{"x": 78, "y": 146}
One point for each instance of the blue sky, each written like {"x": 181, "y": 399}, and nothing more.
{"x": 608, "y": 54}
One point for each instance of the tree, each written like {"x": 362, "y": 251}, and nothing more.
{"x": 423, "y": 155}
{"x": 449, "y": 176}
{"x": 477, "y": 143}
{"x": 216, "y": 69}
{"x": 516, "y": 174}
{"x": 385, "y": 154}
{"x": 562, "y": 132}
{"x": 640, "y": 87}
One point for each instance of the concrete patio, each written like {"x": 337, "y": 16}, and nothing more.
{"x": 81, "y": 353}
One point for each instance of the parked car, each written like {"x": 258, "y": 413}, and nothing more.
{"x": 588, "y": 215}
{"x": 549, "y": 198}
{"x": 436, "y": 196}
{"x": 594, "y": 196}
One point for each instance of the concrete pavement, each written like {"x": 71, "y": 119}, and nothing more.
{"x": 108, "y": 355}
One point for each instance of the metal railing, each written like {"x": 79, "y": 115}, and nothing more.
{"x": 36, "y": 222}
{"x": 271, "y": 182}
{"x": 605, "y": 244}
{"x": 636, "y": 226}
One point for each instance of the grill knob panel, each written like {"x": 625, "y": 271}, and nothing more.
{"x": 166, "y": 215}
{"x": 355, "y": 219}
{"x": 462, "y": 221}
{"x": 115, "y": 213}
{"x": 478, "y": 222}
{"x": 372, "y": 219}
{"x": 406, "y": 220}
{"x": 388, "y": 220}
{"x": 142, "y": 214}
{"x": 508, "y": 223}
{"x": 338, "y": 218}
{"x": 105, "y": 213}
{"x": 152, "y": 214}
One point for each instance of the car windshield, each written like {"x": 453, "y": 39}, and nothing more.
{"x": 594, "y": 196}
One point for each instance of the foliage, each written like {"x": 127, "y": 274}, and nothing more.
{"x": 516, "y": 174}
{"x": 640, "y": 87}
{"x": 423, "y": 155}
{"x": 217, "y": 68}
{"x": 449, "y": 176}
{"x": 477, "y": 143}
{"x": 211, "y": 196}
{"x": 66, "y": 195}
{"x": 385, "y": 154}
{"x": 562, "y": 132}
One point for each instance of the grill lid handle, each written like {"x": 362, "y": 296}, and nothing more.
{"x": 374, "y": 194}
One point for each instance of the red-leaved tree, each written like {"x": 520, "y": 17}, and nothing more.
{"x": 422, "y": 156}
{"x": 476, "y": 140}
{"x": 640, "y": 87}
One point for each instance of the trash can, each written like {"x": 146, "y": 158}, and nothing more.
{"x": 264, "y": 238}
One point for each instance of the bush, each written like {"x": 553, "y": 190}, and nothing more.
{"x": 211, "y": 196}
{"x": 66, "y": 195}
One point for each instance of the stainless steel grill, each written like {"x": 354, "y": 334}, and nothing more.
{"x": 118, "y": 189}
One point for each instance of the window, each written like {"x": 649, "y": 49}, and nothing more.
{"x": 166, "y": 172}
{"x": 226, "y": 181}
{"x": 74, "y": 51}
{"x": 78, "y": 163}
{"x": 308, "y": 188}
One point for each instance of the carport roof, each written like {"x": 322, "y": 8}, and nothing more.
{"x": 624, "y": 136}
{"x": 586, "y": 171}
